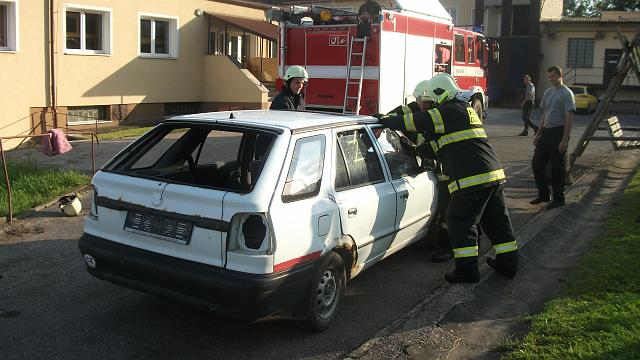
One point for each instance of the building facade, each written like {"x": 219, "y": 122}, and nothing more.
{"x": 86, "y": 63}
{"x": 588, "y": 49}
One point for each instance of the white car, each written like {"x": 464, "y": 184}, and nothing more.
{"x": 256, "y": 213}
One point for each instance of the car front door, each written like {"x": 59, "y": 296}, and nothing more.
{"x": 367, "y": 201}
{"x": 415, "y": 189}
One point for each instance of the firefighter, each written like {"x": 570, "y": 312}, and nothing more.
{"x": 456, "y": 135}
{"x": 291, "y": 97}
{"x": 424, "y": 103}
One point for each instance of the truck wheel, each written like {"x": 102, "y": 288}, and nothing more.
{"x": 476, "y": 104}
{"x": 327, "y": 293}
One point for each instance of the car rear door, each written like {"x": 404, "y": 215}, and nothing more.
{"x": 366, "y": 200}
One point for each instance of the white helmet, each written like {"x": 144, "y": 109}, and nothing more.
{"x": 70, "y": 205}
{"x": 420, "y": 91}
{"x": 442, "y": 87}
{"x": 296, "y": 71}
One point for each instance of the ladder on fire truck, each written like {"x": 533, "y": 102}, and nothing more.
{"x": 629, "y": 61}
{"x": 349, "y": 98}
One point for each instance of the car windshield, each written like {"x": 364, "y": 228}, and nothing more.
{"x": 213, "y": 156}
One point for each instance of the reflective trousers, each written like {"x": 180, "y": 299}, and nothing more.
{"x": 487, "y": 207}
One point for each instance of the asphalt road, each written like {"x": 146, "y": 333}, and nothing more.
{"x": 50, "y": 308}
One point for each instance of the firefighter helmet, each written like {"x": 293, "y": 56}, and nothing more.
{"x": 420, "y": 91}
{"x": 442, "y": 87}
{"x": 296, "y": 71}
{"x": 70, "y": 205}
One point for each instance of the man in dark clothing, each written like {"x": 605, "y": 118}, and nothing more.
{"x": 552, "y": 140}
{"x": 527, "y": 106}
{"x": 291, "y": 97}
{"x": 455, "y": 134}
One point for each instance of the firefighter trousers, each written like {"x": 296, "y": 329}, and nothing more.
{"x": 487, "y": 207}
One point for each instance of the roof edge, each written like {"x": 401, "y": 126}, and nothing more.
{"x": 244, "y": 3}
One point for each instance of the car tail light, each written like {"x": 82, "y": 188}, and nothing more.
{"x": 94, "y": 203}
{"x": 249, "y": 234}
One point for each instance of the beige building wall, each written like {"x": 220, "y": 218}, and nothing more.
{"x": 554, "y": 45}
{"x": 463, "y": 8}
{"x": 122, "y": 76}
{"x": 23, "y": 72}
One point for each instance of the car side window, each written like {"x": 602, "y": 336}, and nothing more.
{"x": 357, "y": 163}
{"x": 305, "y": 172}
{"x": 401, "y": 162}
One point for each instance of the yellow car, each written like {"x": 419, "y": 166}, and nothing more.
{"x": 586, "y": 100}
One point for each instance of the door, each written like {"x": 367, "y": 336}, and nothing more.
{"x": 414, "y": 188}
{"x": 611, "y": 60}
{"x": 366, "y": 200}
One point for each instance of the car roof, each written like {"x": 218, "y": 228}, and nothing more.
{"x": 294, "y": 121}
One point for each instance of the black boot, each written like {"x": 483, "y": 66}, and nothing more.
{"x": 441, "y": 256}
{"x": 466, "y": 271}
{"x": 505, "y": 263}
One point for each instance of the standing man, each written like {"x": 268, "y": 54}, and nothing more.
{"x": 291, "y": 97}
{"x": 455, "y": 134}
{"x": 553, "y": 138}
{"x": 527, "y": 106}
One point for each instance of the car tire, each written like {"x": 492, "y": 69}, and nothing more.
{"x": 326, "y": 293}
{"x": 476, "y": 104}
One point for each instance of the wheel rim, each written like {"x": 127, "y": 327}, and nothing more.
{"x": 326, "y": 294}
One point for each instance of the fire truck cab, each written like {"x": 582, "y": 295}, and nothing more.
{"x": 370, "y": 61}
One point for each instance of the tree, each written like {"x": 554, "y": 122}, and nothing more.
{"x": 593, "y": 8}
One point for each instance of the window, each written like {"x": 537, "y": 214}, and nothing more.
{"x": 182, "y": 108}
{"x": 305, "y": 172}
{"x": 471, "y": 55}
{"x": 357, "y": 163}
{"x": 78, "y": 115}
{"x": 521, "y": 20}
{"x": 158, "y": 36}
{"x": 580, "y": 53}
{"x": 8, "y": 26}
{"x": 453, "y": 11}
{"x": 87, "y": 30}
{"x": 459, "y": 48}
{"x": 401, "y": 162}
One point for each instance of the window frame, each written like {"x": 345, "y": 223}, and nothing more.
{"x": 107, "y": 111}
{"x": 107, "y": 29}
{"x": 455, "y": 10}
{"x": 173, "y": 37}
{"x": 471, "y": 49}
{"x": 580, "y": 63}
{"x": 455, "y": 49}
{"x": 339, "y": 153}
{"x": 13, "y": 26}
{"x": 288, "y": 198}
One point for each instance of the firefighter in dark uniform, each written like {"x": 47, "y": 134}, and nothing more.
{"x": 455, "y": 134}
{"x": 291, "y": 97}
{"x": 424, "y": 103}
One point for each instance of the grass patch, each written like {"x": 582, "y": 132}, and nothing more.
{"x": 124, "y": 133}
{"x": 598, "y": 315}
{"x": 33, "y": 184}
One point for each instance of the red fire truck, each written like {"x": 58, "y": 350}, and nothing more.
{"x": 402, "y": 45}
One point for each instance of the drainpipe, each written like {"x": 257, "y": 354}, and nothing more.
{"x": 283, "y": 48}
{"x": 52, "y": 70}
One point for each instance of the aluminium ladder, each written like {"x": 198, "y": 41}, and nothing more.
{"x": 349, "y": 99}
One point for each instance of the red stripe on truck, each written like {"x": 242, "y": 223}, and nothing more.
{"x": 293, "y": 262}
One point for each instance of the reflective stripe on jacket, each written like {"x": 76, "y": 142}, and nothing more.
{"x": 456, "y": 135}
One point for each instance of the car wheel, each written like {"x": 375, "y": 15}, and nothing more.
{"x": 476, "y": 104}
{"x": 327, "y": 293}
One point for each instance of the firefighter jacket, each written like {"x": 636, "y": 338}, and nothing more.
{"x": 287, "y": 100}
{"x": 416, "y": 137}
{"x": 455, "y": 134}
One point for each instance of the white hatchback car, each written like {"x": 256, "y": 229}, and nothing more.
{"x": 256, "y": 213}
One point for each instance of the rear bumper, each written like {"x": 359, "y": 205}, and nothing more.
{"x": 242, "y": 295}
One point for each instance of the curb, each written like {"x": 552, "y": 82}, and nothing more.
{"x": 447, "y": 296}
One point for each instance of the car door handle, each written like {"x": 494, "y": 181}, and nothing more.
{"x": 352, "y": 212}
{"x": 404, "y": 195}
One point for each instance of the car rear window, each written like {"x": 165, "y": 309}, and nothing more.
{"x": 213, "y": 156}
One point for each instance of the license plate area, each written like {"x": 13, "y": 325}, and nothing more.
{"x": 159, "y": 226}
